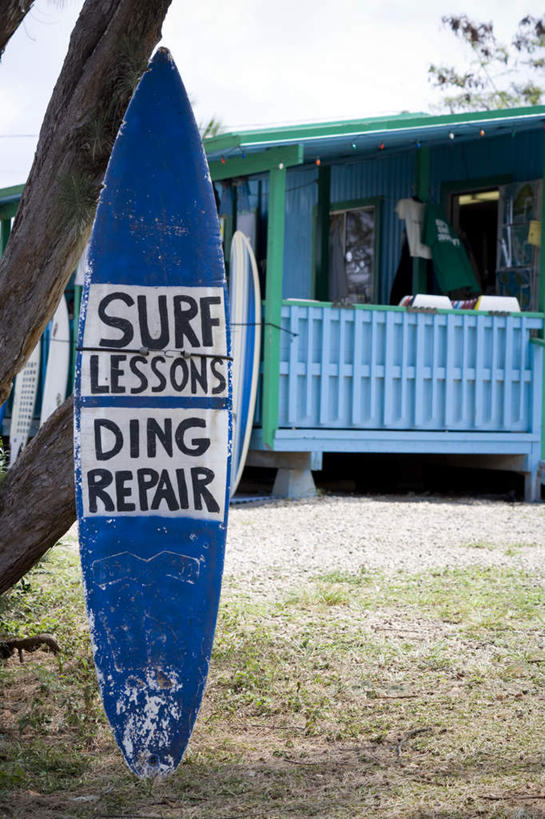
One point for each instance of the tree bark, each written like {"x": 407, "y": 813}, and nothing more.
{"x": 37, "y": 503}
{"x": 13, "y": 13}
{"x": 109, "y": 50}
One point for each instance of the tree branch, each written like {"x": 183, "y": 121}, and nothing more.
{"x": 13, "y": 13}
{"x": 109, "y": 49}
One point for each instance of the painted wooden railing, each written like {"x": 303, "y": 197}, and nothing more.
{"x": 391, "y": 368}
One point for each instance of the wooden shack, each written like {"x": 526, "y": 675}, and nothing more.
{"x": 345, "y": 367}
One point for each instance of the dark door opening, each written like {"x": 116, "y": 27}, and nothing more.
{"x": 475, "y": 220}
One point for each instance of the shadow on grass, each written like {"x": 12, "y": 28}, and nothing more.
{"x": 333, "y": 781}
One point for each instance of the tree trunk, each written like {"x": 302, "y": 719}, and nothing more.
{"x": 13, "y": 12}
{"x": 109, "y": 49}
{"x": 37, "y": 497}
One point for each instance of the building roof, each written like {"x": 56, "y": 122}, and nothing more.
{"x": 326, "y": 140}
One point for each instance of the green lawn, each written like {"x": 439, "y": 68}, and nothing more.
{"x": 358, "y": 695}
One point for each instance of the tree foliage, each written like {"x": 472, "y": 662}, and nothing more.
{"x": 499, "y": 74}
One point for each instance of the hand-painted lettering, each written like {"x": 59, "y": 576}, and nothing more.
{"x": 155, "y": 461}
{"x": 162, "y": 321}
{"x": 116, "y": 321}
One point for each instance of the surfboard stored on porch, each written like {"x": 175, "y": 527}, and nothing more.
{"x": 245, "y": 319}
{"x": 153, "y": 425}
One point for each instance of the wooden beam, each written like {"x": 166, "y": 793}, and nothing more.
{"x": 273, "y": 303}
{"x": 238, "y": 165}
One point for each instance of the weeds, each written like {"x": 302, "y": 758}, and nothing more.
{"x": 360, "y": 693}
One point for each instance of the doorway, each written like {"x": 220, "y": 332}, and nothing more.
{"x": 474, "y": 216}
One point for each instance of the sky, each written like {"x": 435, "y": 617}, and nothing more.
{"x": 253, "y": 63}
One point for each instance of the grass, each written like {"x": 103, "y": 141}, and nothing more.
{"x": 358, "y": 694}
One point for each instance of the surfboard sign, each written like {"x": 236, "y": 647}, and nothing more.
{"x": 153, "y": 425}
{"x": 58, "y": 362}
{"x": 245, "y": 319}
{"x": 24, "y": 399}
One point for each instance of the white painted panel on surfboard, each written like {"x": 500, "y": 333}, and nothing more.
{"x": 58, "y": 362}
{"x": 24, "y": 398}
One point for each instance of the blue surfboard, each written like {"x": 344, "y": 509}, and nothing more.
{"x": 153, "y": 425}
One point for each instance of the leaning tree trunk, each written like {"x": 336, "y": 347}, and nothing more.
{"x": 37, "y": 497}
{"x": 109, "y": 49}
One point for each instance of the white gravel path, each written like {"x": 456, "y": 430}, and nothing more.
{"x": 276, "y": 545}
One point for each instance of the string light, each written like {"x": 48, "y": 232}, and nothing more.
{"x": 451, "y": 135}
{"x": 223, "y": 160}
{"x": 354, "y": 145}
{"x": 318, "y": 161}
{"x": 481, "y": 132}
{"x": 381, "y": 146}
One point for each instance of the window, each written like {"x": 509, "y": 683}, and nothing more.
{"x": 352, "y": 252}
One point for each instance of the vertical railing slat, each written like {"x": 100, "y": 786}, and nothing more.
{"x": 419, "y": 352}
{"x": 324, "y": 381}
{"x": 508, "y": 374}
{"x": 309, "y": 362}
{"x": 357, "y": 373}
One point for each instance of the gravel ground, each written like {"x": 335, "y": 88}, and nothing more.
{"x": 275, "y": 545}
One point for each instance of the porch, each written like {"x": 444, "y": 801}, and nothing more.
{"x": 378, "y": 379}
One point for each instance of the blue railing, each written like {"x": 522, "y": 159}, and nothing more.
{"x": 386, "y": 368}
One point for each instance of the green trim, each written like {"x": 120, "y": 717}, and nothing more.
{"x": 541, "y": 304}
{"x": 273, "y": 303}
{"x": 354, "y": 204}
{"x": 5, "y": 230}
{"x": 422, "y": 186}
{"x": 9, "y": 209}
{"x": 473, "y": 184}
{"x": 222, "y": 142}
{"x": 8, "y": 193}
{"x": 256, "y": 163}
{"x": 361, "y": 126}
{"x": 422, "y": 173}
{"x": 321, "y": 244}
{"x": 388, "y": 308}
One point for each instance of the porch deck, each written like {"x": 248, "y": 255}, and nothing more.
{"x": 390, "y": 379}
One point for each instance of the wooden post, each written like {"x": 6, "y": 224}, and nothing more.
{"x": 422, "y": 191}
{"x": 321, "y": 289}
{"x": 273, "y": 303}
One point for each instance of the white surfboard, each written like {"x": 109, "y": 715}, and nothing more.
{"x": 24, "y": 398}
{"x": 245, "y": 316}
{"x": 58, "y": 362}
